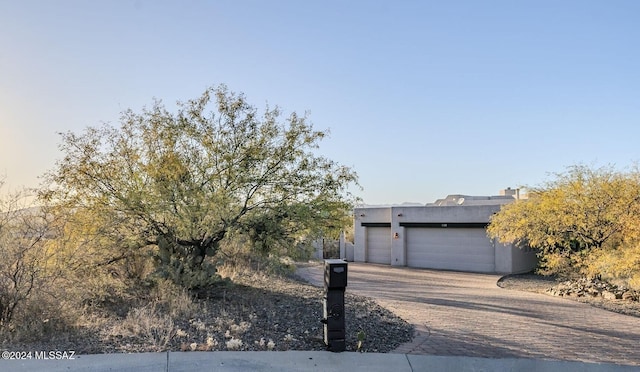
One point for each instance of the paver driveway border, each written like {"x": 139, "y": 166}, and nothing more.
{"x": 467, "y": 314}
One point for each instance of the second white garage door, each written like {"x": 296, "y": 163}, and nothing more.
{"x": 379, "y": 245}
{"x": 464, "y": 249}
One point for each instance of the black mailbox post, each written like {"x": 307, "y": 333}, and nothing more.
{"x": 335, "y": 283}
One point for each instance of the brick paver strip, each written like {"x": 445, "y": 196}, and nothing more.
{"x": 467, "y": 314}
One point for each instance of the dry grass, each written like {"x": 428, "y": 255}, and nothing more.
{"x": 257, "y": 312}
{"x": 150, "y": 324}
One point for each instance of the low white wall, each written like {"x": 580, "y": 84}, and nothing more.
{"x": 349, "y": 251}
{"x": 318, "y": 248}
{"x": 503, "y": 257}
{"x": 346, "y": 248}
{"x": 524, "y": 260}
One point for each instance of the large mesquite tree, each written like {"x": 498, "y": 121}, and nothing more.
{"x": 581, "y": 210}
{"x": 182, "y": 181}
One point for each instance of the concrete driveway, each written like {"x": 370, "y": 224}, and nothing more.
{"x": 467, "y": 314}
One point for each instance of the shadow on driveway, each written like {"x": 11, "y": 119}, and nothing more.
{"x": 457, "y": 313}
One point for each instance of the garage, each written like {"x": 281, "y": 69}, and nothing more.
{"x": 450, "y": 247}
{"x": 379, "y": 244}
{"x": 450, "y": 234}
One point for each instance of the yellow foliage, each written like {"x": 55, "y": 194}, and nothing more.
{"x": 580, "y": 223}
{"x": 621, "y": 264}
{"x": 558, "y": 263}
{"x": 634, "y": 281}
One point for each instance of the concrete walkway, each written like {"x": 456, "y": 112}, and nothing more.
{"x": 466, "y": 314}
{"x": 295, "y": 361}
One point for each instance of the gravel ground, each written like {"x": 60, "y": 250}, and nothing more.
{"x": 540, "y": 284}
{"x": 260, "y": 312}
{"x": 257, "y": 313}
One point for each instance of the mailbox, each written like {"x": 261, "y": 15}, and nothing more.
{"x": 335, "y": 282}
{"x": 335, "y": 274}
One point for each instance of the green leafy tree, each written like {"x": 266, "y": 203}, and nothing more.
{"x": 565, "y": 219}
{"x": 280, "y": 230}
{"x": 182, "y": 181}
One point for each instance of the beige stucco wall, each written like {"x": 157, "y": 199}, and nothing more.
{"x": 382, "y": 214}
{"x": 508, "y": 259}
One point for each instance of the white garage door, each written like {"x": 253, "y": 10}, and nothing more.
{"x": 379, "y": 245}
{"x": 464, "y": 249}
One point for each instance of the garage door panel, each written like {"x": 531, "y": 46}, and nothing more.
{"x": 466, "y": 249}
{"x": 379, "y": 245}
{"x": 469, "y": 263}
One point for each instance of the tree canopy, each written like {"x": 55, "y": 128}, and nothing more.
{"x": 580, "y": 210}
{"x": 183, "y": 181}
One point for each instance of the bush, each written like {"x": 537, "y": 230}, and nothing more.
{"x": 34, "y": 297}
{"x": 151, "y": 324}
{"x": 26, "y": 276}
{"x": 175, "y": 301}
{"x": 620, "y": 265}
{"x": 237, "y": 256}
{"x": 153, "y": 315}
{"x": 580, "y": 223}
{"x": 41, "y": 316}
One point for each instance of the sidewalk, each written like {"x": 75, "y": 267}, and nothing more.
{"x": 239, "y": 361}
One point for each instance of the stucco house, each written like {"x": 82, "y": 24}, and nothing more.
{"x": 448, "y": 234}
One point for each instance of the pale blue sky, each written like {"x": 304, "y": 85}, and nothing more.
{"x": 423, "y": 98}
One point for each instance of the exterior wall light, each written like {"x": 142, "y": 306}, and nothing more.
{"x": 396, "y": 235}
{"x": 399, "y": 214}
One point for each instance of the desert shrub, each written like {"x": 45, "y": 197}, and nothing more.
{"x": 62, "y": 269}
{"x": 150, "y": 323}
{"x": 153, "y": 314}
{"x": 236, "y": 257}
{"x": 620, "y": 265}
{"x": 563, "y": 263}
{"x": 173, "y": 300}
{"x": 34, "y": 298}
{"x": 23, "y": 254}
{"x": 39, "y": 317}
{"x": 555, "y": 264}
{"x": 139, "y": 265}
{"x": 20, "y": 273}
{"x": 204, "y": 276}
{"x": 577, "y": 222}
